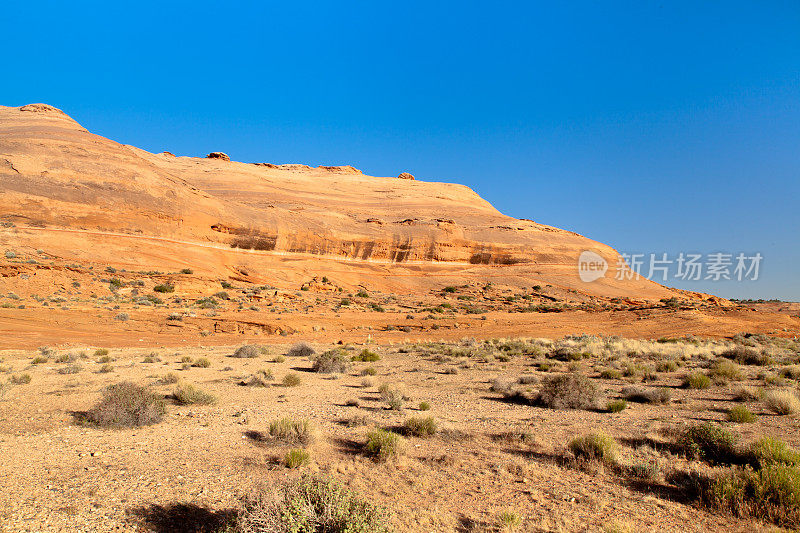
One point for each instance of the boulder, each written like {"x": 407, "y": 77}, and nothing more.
{"x": 219, "y": 155}
{"x": 405, "y": 176}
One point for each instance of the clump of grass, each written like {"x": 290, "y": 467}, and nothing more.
{"x": 782, "y": 402}
{"x": 710, "y": 442}
{"x": 186, "y": 359}
{"x": 424, "y": 406}
{"x": 392, "y": 395}
{"x": 288, "y": 430}
{"x": 202, "y": 362}
{"x": 104, "y": 359}
{"x": 615, "y": 406}
{"x": 768, "y": 451}
{"x": 310, "y": 504}
{"x": 508, "y": 521}
{"x": 296, "y": 458}
{"x": 105, "y": 369}
{"x": 610, "y": 373}
{"x": 101, "y": 351}
{"x": 278, "y": 359}
{"x": 260, "y": 378}
{"x": 568, "y": 391}
{"x": 301, "y": 350}
{"x": 366, "y": 356}
{"x": 169, "y": 378}
{"x": 666, "y": 366}
{"x": 595, "y": 447}
{"x": 697, "y": 380}
{"x": 741, "y": 415}
{"x": 39, "y": 359}
{"x": 661, "y": 395}
{"x": 383, "y": 445}
{"x": 747, "y": 356}
{"x": 248, "y": 351}
{"x": 188, "y": 394}
{"x": 65, "y": 358}
{"x": 724, "y": 370}
{"x": 291, "y": 380}
{"x": 369, "y": 371}
{"x": 70, "y": 369}
{"x": 20, "y": 379}
{"x": 419, "y": 426}
{"x": 745, "y": 394}
{"x": 126, "y": 405}
{"x": 332, "y": 361}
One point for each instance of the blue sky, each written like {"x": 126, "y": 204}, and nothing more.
{"x": 653, "y": 127}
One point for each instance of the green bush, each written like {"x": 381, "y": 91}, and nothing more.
{"x": 725, "y": 370}
{"x": 292, "y": 431}
{"x": 202, "y": 362}
{"x": 20, "y": 379}
{"x": 615, "y": 406}
{"x": 596, "y": 447}
{"x": 424, "y": 406}
{"x": 383, "y": 445}
{"x": 769, "y": 451}
{"x": 710, "y": 442}
{"x": 309, "y": 505}
{"x": 419, "y": 426}
{"x": 741, "y": 415}
{"x": 126, "y": 405}
{"x": 296, "y": 458}
{"x": 248, "y": 351}
{"x": 291, "y": 380}
{"x": 366, "y": 356}
{"x": 188, "y": 394}
{"x": 697, "y": 380}
{"x": 164, "y": 288}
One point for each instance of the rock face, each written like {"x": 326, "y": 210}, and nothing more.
{"x": 85, "y": 196}
{"x": 405, "y": 176}
{"x": 219, "y": 155}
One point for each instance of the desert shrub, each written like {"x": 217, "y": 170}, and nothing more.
{"x": 615, "y": 406}
{"x": 291, "y": 380}
{"x": 169, "y": 379}
{"x": 188, "y": 394}
{"x": 791, "y": 372}
{"x": 768, "y": 451}
{"x": 741, "y": 415}
{"x": 126, "y": 405}
{"x": 666, "y": 366}
{"x": 724, "y": 370}
{"x": 292, "y": 431}
{"x": 697, "y": 380}
{"x": 65, "y": 358}
{"x": 202, "y": 362}
{"x": 70, "y": 369}
{"x": 105, "y": 369}
{"x": 296, "y": 458}
{"x": 122, "y": 317}
{"x": 369, "y": 371}
{"x": 771, "y": 493}
{"x": 332, "y": 361}
{"x": 187, "y": 271}
{"x": 382, "y": 444}
{"x": 508, "y": 521}
{"x": 745, "y": 394}
{"x": 279, "y": 359}
{"x": 424, "y": 406}
{"x": 164, "y": 288}
{"x": 301, "y": 350}
{"x": 392, "y": 395}
{"x": 186, "y": 359}
{"x": 39, "y": 359}
{"x": 100, "y": 352}
{"x": 710, "y": 442}
{"x": 659, "y": 395}
{"x": 308, "y": 505}
{"x": 610, "y": 373}
{"x": 595, "y": 447}
{"x": 747, "y": 356}
{"x": 248, "y": 351}
{"x": 568, "y": 391}
{"x": 20, "y": 379}
{"x": 782, "y": 402}
{"x": 366, "y": 356}
{"x": 419, "y": 426}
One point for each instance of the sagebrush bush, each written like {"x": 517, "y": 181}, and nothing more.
{"x": 710, "y": 442}
{"x": 126, "y": 405}
{"x": 309, "y": 505}
{"x": 292, "y": 431}
{"x": 568, "y": 391}
{"x": 782, "y": 402}
{"x": 332, "y": 361}
{"x": 383, "y": 445}
{"x": 420, "y": 426}
{"x": 595, "y": 447}
{"x": 301, "y": 350}
{"x": 366, "y": 356}
{"x": 188, "y": 394}
{"x": 291, "y": 380}
{"x": 202, "y": 362}
{"x": 248, "y": 351}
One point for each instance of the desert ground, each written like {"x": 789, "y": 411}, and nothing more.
{"x": 498, "y": 459}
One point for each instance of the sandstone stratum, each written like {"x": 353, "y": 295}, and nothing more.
{"x": 89, "y": 223}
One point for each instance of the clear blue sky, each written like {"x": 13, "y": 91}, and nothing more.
{"x": 653, "y": 127}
